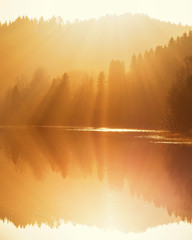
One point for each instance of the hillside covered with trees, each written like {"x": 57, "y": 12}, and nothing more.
{"x": 141, "y": 97}
{"x": 27, "y": 44}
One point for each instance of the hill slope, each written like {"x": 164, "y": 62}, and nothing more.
{"x": 85, "y": 45}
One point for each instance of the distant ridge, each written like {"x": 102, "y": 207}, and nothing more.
{"x": 83, "y": 45}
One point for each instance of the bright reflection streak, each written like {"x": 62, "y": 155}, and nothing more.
{"x": 69, "y": 231}
{"x": 90, "y": 129}
{"x": 171, "y": 139}
{"x": 176, "y": 143}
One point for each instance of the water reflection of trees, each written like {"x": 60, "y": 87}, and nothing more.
{"x": 159, "y": 174}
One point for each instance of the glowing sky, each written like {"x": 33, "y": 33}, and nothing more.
{"x": 173, "y": 11}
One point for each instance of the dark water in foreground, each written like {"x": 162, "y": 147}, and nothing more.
{"x": 125, "y": 179}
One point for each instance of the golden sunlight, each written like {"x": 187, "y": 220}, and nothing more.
{"x": 95, "y": 119}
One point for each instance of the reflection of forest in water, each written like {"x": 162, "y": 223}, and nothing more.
{"x": 93, "y": 177}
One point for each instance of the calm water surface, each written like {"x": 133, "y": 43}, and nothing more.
{"x": 123, "y": 179}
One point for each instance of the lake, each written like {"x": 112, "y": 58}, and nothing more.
{"x": 62, "y": 181}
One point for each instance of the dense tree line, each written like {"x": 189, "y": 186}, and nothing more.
{"x": 26, "y": 44}
{"x": 151, "y": 79}
{"x": 179, "y": 100}
{"x": 143, "y": 97}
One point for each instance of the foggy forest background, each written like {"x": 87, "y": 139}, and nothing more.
{"x": 125, "y": 71}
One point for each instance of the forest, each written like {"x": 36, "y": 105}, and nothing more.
{"x": 98, "y": 73}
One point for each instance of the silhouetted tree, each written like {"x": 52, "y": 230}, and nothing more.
{"x": 100, "y": 102}
{"x": 179, "y": 100}
{"x": 116, "y": 94}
